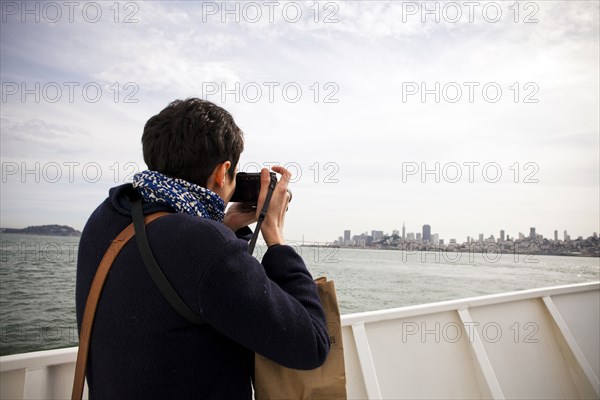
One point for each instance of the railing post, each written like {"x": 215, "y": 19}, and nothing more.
{"x": 366, "y": 361}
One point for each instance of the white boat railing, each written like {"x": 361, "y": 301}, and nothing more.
{"x": 539, "y": 343}
{"x": 38, "y": 375}
{"x": 536, "y": 344}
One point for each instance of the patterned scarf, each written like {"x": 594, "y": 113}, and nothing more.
{"x": 183, "y": 196}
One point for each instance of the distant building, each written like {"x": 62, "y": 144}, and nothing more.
{"x": 418, "y": 236}
{"x": 435, "y": 238}
{"x": 376, "y": 235}
{"x": 361, "y": 240}
{"x": 556, "y": 235}
{"x": 532, "y": 235}
{"x": 403, "y": 231}
{"x": 410, "y": 236}
{"x": 346, "y": 236}
{"x": 502, "y": 236}
{"x": 426, "y": 233}
{"x": 481, "y": 238}
{"x": 565, "y": 236}
{"x": 395, "y": 232}
{"x": 452, "y": 241}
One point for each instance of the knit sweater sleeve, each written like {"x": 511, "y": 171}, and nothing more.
{"x": 272, "y": 309}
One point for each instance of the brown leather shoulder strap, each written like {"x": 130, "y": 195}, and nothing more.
{"x": 94, "y": 296}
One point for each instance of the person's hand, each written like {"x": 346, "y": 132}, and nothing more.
{"x": 272, "y": 226}
{"x": 239, "y": 215}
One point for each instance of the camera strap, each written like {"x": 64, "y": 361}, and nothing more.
{"x": 261, "y": 217}
{"x": 154, "y": 269}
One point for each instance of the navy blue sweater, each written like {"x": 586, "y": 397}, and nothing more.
{"x": 142, "y": 348}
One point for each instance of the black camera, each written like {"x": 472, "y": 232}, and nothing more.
{"x": 247, "y": 187}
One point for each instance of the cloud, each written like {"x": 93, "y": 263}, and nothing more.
{"x": 38, "y": 138}
{"x": 372, "y": 49}
{"x": 178, "y": 75}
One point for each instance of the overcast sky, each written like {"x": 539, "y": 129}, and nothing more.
{"x": 484, "y": 119}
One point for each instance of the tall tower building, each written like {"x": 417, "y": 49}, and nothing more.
{"x": 426, "y": 233}
{"x": 532, "y": 233}
{"x": 346, "y": 236}
{"x": 502, "y": 235}
{"x": 403, "y": 231}
{"x": 556, "y": 235}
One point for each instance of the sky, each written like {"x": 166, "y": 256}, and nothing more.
{"x": 470, "y": 117}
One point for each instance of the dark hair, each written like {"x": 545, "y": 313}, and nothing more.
{"x": 189, "y": 138}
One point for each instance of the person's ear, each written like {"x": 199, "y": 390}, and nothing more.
{"x": 221, "y": 173}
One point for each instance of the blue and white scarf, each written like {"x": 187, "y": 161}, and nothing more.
{"x": 182, "y": 196}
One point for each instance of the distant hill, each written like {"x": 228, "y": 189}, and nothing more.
{"x": 46, "y": 230}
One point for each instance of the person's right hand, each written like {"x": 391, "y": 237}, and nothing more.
{"x": 272, "y": 226}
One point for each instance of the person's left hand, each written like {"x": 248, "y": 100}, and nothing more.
{"x": 239, "y": 215}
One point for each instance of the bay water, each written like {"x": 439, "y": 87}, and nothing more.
{"x": 37, "y": 282}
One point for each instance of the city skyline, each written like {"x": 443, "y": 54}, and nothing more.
{"x": 532, "y": 244}
{"x": 502, "y": 235}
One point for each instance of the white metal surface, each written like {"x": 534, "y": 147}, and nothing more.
{"x": 38, "y": 375}
{"x": 531, "y": 344}
{"x": 540, "y": 343}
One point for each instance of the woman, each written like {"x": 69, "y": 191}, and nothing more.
{"x": 140, "y": 346}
